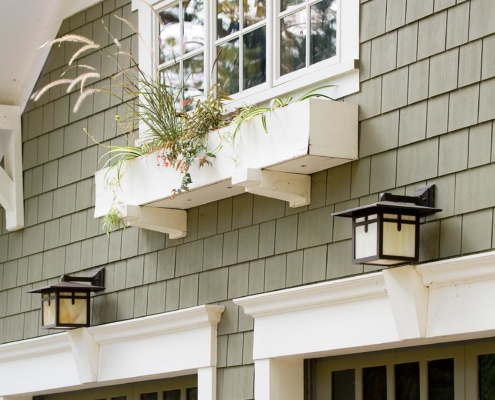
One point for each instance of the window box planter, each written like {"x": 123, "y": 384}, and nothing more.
{"x": 303, "y": 138}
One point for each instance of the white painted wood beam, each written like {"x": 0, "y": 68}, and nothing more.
{"x": 165, "y": 220}
{"x": 293, "y": 188}
{"x": 11, "y": 186}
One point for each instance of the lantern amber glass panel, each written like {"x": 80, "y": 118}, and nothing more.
{"x": 385, "y": 238}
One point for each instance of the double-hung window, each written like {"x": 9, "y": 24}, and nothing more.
{"x": 253, "y": 50}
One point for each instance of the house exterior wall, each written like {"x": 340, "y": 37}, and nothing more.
{"x": 427, "y": 70}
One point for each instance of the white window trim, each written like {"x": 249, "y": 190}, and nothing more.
{"x": 177, "y": 343}
{"x": 436, "y": 302}
{"x": 344, "y": 73}
{"x": 11, "y": 186}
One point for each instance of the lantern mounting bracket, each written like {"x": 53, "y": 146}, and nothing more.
{"x": 97, "y": 279}
{"x": 423, "y": 196}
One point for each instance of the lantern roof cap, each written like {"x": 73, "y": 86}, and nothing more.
{"x": 387, "y": 205}
{"x": 70, "y": 286}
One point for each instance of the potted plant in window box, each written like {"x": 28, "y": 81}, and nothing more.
{"x": 269, "y": 151}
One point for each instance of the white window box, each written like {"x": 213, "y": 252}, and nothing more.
{"x": 303, "y": 138}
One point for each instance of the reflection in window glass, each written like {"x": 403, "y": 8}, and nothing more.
{"x": 486, "y": 368}
{"x": 149, "y": 396}
{"x": 441, "y": 379}
{"x": 288, "y": 4}
{"x": 407, "y": 381}
{"x": 193, "y": 76}
{"x": 293, "y": 42}
{"x": 254, "y": 11}
{"x": 343, "y": 385}
{"x": 254, "y": 58}
{"x": 227, "y": 17}
{"x": 228, "y": 67}
{"x": 171, "y": 394}
{"x": 171, "y": 76}
{"x": 323, "y": 31}
{"x": 193, "y": 17}
{"x": 192, "y": 393}
{"x": 375, "y": 383}
{"x": 169, "y": 34}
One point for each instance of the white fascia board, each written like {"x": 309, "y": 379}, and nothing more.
{"x": 405, "y": 306}
{"x": 347, "y": 290}
{"x": 465, "y": 269}
{"x": 169, "y": 344}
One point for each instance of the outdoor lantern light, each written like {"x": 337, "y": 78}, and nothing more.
{"x": 387, "y": 232}
{"x": 66, "y": 305}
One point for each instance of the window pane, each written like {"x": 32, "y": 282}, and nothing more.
{"x": 193, "y": 76}
{"x": 193, "y": 25}
{"x": 228, "y": 67}
{"x": 254, "y": 11}
{"x": 343, "y": 385}
{"x": 441, "y": 379}
{"x": 171, "y": 394}
{"x": 486, "y": 367}
{"x": 375, "y": 383}
{"x": 171, "y": 76}
{"x": 149, "y": 396}
{"x": 169, "y": 34}
{"x": 287, "y": 4}
{"x": 323, "y": 31}
{"x": 227, "y": 17}
{"x": 293, "y": 42}
{"x": 254, "y": 58}
{"x": 192, "y": 393}
{"x": 407, "y": 381}
{"x": 119, "y": 398}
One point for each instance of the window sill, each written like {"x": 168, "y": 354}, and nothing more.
{"x": 344, "y": 77}
{"x": 303, "y": 138}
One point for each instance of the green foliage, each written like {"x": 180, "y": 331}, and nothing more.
{"x": 112, "y": 221}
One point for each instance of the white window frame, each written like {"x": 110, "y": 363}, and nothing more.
{"x": 391, "y": 358}
{"x": 341, "y": 70}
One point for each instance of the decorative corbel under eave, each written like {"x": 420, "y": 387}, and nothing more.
{"x": 11, "y": 187}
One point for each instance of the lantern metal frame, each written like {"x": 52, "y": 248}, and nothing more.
{"x": 411, "y": 207}
{"x": 69, "y": 288}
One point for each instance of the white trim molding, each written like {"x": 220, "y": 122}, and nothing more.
{"x": 437, "y": 302}
{"x": 171, "y": 344}
{"x": 11, "y": 187}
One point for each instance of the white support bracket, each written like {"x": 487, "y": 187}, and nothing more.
{"x": 165, "y": 220}
{"x": 293, "y": 188}
{"x": 11, "y": 187}
{"x": 86, "y": 354}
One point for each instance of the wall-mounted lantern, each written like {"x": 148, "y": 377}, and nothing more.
{"x": 66, "y": 305}
{"x": 387, "y": 232}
